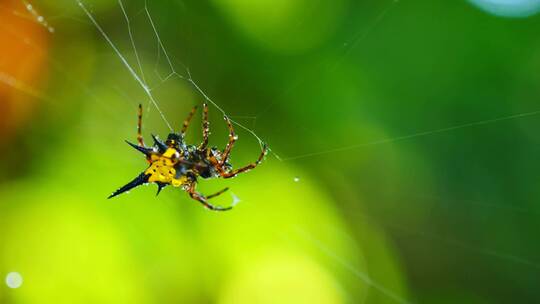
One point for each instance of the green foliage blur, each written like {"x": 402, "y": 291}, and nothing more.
{"x": 404, "y": 164}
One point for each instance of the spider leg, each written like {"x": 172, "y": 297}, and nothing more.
{"x": 206, "y": 128}
{"x": 230, "y": 144}
{"x": 188, "y": 120}
{"x": 234, "y": 173}
{"x": 204, "y": 200}
{"x": 217, "y": 193}
{"x": 139, "y": 126}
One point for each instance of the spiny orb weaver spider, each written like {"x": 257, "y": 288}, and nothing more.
{"x": 175, "y": 163}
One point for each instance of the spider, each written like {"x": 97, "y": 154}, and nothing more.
{"x": 178, "y": 164}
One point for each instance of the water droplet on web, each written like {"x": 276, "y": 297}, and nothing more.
{"x": 40, "y": 18}
{"x": 296, "y": 179}
{"x": 14, "y": 280}
{"x": 236, "y": 199}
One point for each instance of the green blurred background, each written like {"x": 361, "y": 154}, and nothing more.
{"x": 396, "y": 180}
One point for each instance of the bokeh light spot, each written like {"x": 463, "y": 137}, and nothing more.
{"x": 509, "y": 8}
{"x": 284, "y": 26}
{"x": 282, "y": 277}
{"x": 14, "y": 280}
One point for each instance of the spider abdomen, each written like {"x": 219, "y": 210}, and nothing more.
{"x": 163, "y": 169}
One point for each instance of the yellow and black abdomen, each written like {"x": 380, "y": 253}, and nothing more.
{"x": 162, "y": 169}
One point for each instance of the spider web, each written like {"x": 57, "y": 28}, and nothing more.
{"x": 363, "y": 276}
{"x": 349, "y": 47}
{"x": 355, "y": 41}
{"x": 141, "y": 79}
{"x": 138, "y": 74}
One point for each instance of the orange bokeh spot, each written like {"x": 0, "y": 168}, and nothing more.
{"x": 23, "y": 52}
